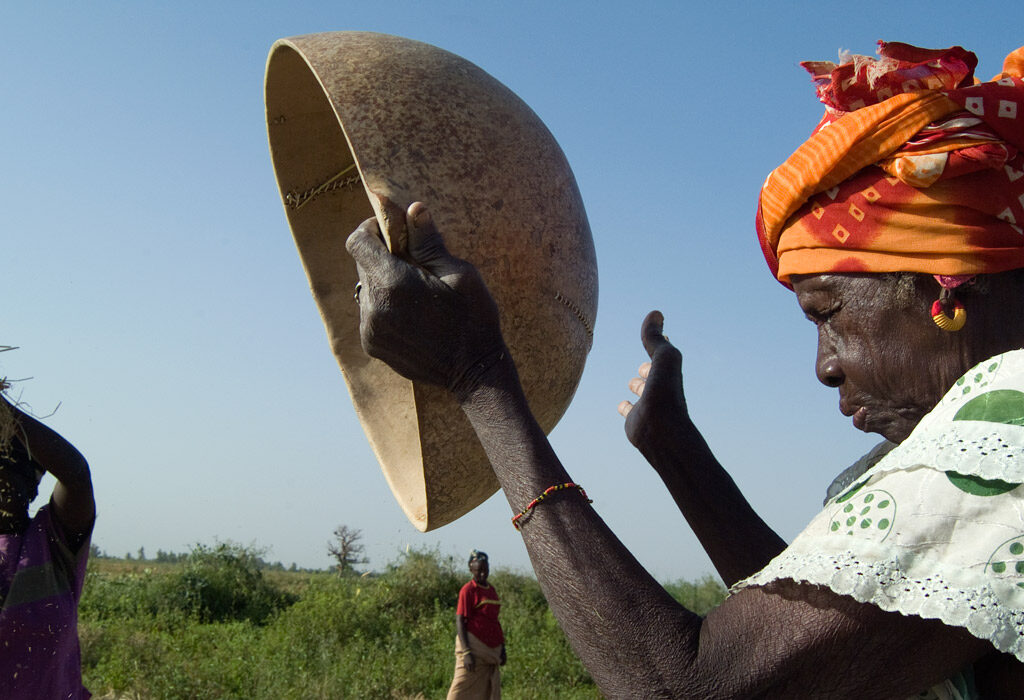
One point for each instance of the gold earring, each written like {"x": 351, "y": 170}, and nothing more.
{"x": 945, "y": 300}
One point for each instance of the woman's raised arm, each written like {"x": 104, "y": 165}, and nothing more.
{"x": 659, "y": 425}
{"x": 73, "y": 502}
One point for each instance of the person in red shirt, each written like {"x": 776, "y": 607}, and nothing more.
{"x": 479, "y": 640}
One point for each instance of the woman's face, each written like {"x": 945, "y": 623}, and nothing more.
{"x": 880, "y": 348}
{"x": 479, "y": 569}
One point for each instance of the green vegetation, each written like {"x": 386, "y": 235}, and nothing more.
{"x": 218, "y": 624}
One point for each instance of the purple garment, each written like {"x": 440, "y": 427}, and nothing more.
{"x": 40, "y": 585}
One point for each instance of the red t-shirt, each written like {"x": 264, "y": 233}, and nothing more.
{"x": 480, "y": 606}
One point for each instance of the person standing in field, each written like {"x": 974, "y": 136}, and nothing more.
{"x": 42, "y": 560}
{"x": 479, "y": 639}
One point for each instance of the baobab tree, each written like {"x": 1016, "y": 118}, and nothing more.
{"x": 346, "y": 549}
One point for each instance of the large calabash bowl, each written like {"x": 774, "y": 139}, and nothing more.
{"x": 356, "y": 119}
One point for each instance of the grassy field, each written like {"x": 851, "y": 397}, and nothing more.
{"x": 217, "y": 625}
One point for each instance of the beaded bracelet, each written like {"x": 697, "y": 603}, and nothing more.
{"x": 547, "y": 492}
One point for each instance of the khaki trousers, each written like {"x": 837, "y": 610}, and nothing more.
{"x": 484, "y": 681}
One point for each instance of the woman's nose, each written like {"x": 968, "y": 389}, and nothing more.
{"x": 829, "y": 371}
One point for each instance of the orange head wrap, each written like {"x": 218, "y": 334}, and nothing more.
{"x": 915, "y": 167}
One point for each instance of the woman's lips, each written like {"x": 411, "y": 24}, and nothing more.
{"x": 860, "y": 418}
{"x": 859, "y": 413}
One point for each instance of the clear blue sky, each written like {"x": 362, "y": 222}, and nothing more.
{"x": 153, "y": 288}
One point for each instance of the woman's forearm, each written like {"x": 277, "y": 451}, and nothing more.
{"x": 623, "y": 625}
{"x": 49, "y": 449}
{"x": 659, "y": 425}
{"x": 460, "y": 630}
{"x": 734, "y": 536}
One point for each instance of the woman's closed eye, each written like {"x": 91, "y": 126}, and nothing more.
{"x": 821, "y": 315}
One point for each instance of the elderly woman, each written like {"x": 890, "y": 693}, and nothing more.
{"x": 898, "y": 225}
{"x": 42, "y": 560}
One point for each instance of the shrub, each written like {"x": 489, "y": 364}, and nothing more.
{"x": 417, "y": 583}
{"x": 119, "y": 596}
{"x": 215, "y": 584}
{"x": 223, "y": 583}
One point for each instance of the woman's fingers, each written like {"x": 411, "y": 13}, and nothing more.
{"x": 393, "y": 219}
{"x": 636, "y": 385}
{"x": 367, "y": 248}
{"x": 426, "y": 247}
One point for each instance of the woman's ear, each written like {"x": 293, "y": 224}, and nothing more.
{"x": 994, "y": 304}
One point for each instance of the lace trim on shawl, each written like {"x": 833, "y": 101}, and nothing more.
{"x": 884, "y": 584}
{"x": 981, "y": 449}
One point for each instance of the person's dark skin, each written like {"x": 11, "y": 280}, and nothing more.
{"x": 432, "y": 319}
{"x": 660, "y": 427}
{"x": 73, "y": 504}
{"x": 480, "y": 569}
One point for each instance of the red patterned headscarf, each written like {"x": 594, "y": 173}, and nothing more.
{"x": 915, "y": 167}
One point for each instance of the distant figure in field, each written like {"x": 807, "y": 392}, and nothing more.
{"x": 42, "y": 560}
{"x": 479, "y": 640}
